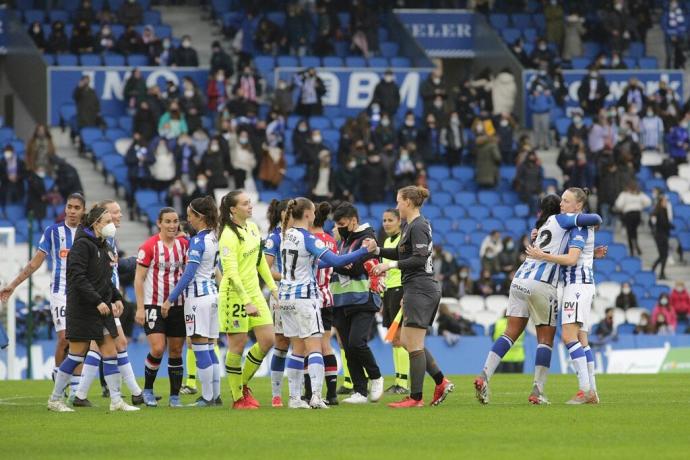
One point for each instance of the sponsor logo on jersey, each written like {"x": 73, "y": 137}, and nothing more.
{"x": 189, "y": 318}
{"x": 319, "y": 244}
{"x": 520, "y": 288}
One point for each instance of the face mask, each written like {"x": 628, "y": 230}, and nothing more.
{"x": 618, "y": 7}
{"x": 626, "y": 290}
{"x": 375, "y": 108}
{"x": 302, "y": 129}
{"x": 385, "y": 122}
{"x": 409, "y": 123}
{"x": 108, "y": 231}
{"x": 281, "y": 85}
{"x": 437, "y": 81}
{"x": 504, "y": 123}
{"x": 663, "y": 301}
{"x": 510, "y": 245}
{"x": 650, "y": 113}
{"x": 37, "y": 29}
{"x": 438, "y": 104}
{"x": 215, "y": 148}
{"x": 463, "y": 275}
{"x": 201, "y": 184}
{"x": 8, "y": 154}
{"x": 455, "y": 121}
{"x": 679, "y": 289}
{"x": 388, "y": 78}
{"x": 593, "y": 75}
{"x": 479, "y": 129}
{"x": 243, "y": 140}
{"x": 542, "y": 47}
{"x": 166, "y": 45}
{"x": 185, "y": 44}
{"x": 41, "y": 174}
{"x": 316, "y": 139}
{"x": 344, "y": 233}
{"x": 189, "y": 93}
{"x": 352, "y": 165}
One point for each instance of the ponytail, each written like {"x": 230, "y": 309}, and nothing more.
{"x": 288, "y": 214}
{"x": 229, "y": 201}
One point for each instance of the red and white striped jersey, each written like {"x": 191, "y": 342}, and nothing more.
{"x": 323, "y": 275}
{"x": 165, "y": 266}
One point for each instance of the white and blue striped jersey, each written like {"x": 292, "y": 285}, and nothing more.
{"x": 203, "y": 250}
{"x": 552, "y": 238}
{"x": 300, "y": 252}
{"x": 583, "y": 271}
{"x": 272, "y": 248}
{"x": 56, "y": 243}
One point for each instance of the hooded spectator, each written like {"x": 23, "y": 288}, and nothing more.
{"x": 88, "y": 106}
{"x": 105, "y": 40}
{"x": 82, "y": 40}
{"x": 57, "y": 40}
{"x": 192, "y": 104}
{"x": 503, "y": 92}
{"x": 592, "y": 92}
{"x": 542, "y": 57}
{"x": 131, "y": 13}
{"x": 528, "y": 180}
{"x": 130, "y": 42}
{"x": 574, "y": 30}
{"x": 487, "y": 157}
{"x": 282, "y": 98}
{"x": 321, "y": 179}
{"x": 518, "y": 49}
{"x": 67, "y": 179}
{"x": 185, "y": 55}
{"x": 220, "y": 60}
{"x": 387, "y": 94}
{"x": 431, "y": 87}
{"x": 12, "y": 175}
{"x": 36, "y": 33}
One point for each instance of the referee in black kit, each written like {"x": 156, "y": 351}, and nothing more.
{"x": 421, "y": 294}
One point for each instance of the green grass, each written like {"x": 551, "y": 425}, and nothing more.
{"x": 639, "y": 417}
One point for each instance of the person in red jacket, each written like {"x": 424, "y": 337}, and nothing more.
{"x": 680, "y": 301}
{"x": 216, "y": 91}
{"x": 663, "y": 308}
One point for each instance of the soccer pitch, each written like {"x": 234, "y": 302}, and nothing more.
{"x": 640, "y": 417}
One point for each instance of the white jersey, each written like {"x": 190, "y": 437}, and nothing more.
{"x": 203, "y": 250}
{"x": 56, "y": 243}
{"x": 552, "y": 238}
{"x": 300, "y": 252}
{"x": 582, "y": 272}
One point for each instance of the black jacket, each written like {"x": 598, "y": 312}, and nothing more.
{"x": 89, "y": 282}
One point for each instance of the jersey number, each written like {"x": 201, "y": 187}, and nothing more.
{"x": 153, "y": 315}
{"x": 239, "y": 311}
{"x": 545, "y": 238}
{"x": 294, "y": 254}
{"x": 60, "y": 313}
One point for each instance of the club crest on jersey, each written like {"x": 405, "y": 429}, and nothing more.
{"x": 268, "y": 244}
{"x": 63, "y": 253}
{"x": 235, "y": 324}
{"x": 141, "y": 255}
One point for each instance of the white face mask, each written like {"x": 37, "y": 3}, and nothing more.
{"x": 316, "y": 139}
{"x": 189, "y": 93}
{"x": 385, "y": 122}
{"x": 626, "y": 290}
{"x": 388, "y": 78}
{"x": 109, "y": 231}
{"x": 201, "y": 184}
{"x": 243, "y": 140}
{"x": 504, "y": 122}
{"x": 214, "y": 148}
{"x": 8, "y": 154}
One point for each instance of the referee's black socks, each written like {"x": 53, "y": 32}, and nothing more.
{"x": 432, "y": 368}
{"x": 175, "y": 373}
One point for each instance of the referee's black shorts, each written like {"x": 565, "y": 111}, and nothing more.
{"x": 391, "y": 304}
{"x": 420, "y": 306}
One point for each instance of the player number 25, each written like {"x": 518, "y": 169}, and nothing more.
{"x": 236, "y": 309}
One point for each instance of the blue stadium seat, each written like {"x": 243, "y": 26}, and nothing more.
{"x": 478, "y": 211}
{"x": 521, "y": 210}
{"x": 658, "y": 289}
{"x": 152, "y": 17}
{"x": 625, "y": 329}
{"x": 296, "y": 172}
{"x": 110, "y": 121}
{"x": 438, "y": 172}
{"x": 562, "y": 125}
{"x": 382, "y": 33}
{"x": 630, "y": 62}
{"x": 684, "y": 239}
{"x": 489, "y": 225}
{"x": 310, "y": 61}
{"x": 377, "y": 209}
{"x": 6, "y": 135}
{"x": 333, "y": 61}
{"x": 92, "y": 60}
{"x": 67, "y": 60}
{"x": 510, "y": 35}
{"x": 454, "y": 211}
{"x": 465, "y": 199}
{"x": 114, "y": 60}
{"x": 400, "y": 62}
{"x": 617, "y": 251}
{"x": 464, "y": 173}
{"x": 529, "y": 34}
{"x": 516, "y": 225}
{"x": 31, "y": 16}
{"x": 488, "y": 198}
{"x": 102, "y": 148}
{"x": 277, "y": 17}
{"x": 476, "y": 238}
{"x": 619, "y": 277}
{"x": 441, "y": 226}
{"x": 112, "y": 161}
{"x": 456, "y": 238}
{"x": 125, "y": 123}
{"x": 114, "y": 134}
{"x": 319, "y": 123}
{"x": 467, "y": 224}
{"x": 498, "y": 21}
{"x": 388, "y": 49}
{"x": 507, "y": 172}
{"x": 647, "y": 279}
{"x": 510, "y": 198}
{"x": 468, "y": 252}
{"x": 630, "y": 265}
{"x": 163, "y": 31}
{"x": 137, "y": 60}
{"x": 88, "y": 135}
{"x": 433, "y": 212}
{"x": 450, "y": 185}
{"x": 442, "y": 199}
{"x": 603, "y": 237}
{"x": 647, "y": 304}
{"x": 355, "y": 61}
{"x": 635, "y": 49}
{"x": 378, "y": 62}
{"x": 287, "y": 61}
{"x": 521, "y": 21}
{"x": 58, "y": 15}
{"x": 49, "y": 58}
{"x": 648, "y": 63}
{"x": 604, "y": 266}
{"x": 478, "y": 329}
{"x": 579, "y": 63}
{"x": 14, "y": 212}
{"x": 23, "y": 5}
{"x": 502, "y": 212}
{"x": 67, "y": 111}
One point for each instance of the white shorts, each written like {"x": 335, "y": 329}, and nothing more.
{"x": 533, "y": 299}
{"x": 58, "y": 310}
{"x": 277, "y": 318}
{"x": 576, "y": 304}
{"x": 201, "y": 316}
{"x": 301, "y": 318}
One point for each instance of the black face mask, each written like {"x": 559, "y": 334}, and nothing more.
{"x": 344, "y": 233}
